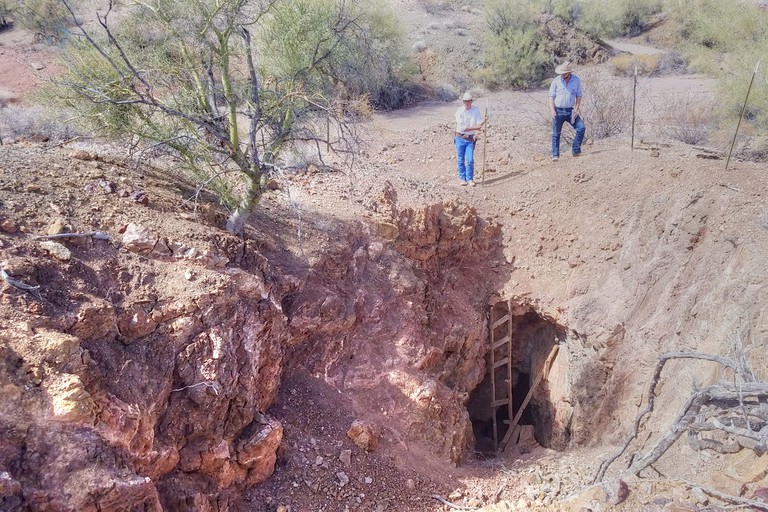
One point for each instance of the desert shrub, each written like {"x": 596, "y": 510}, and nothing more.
{"x": 6, "y": 12}
{"x": 717, "y": 25}
{"x": 613, "y": 18}
{"x": 569, "y": 10}
{"x": 48, "y": 19}
{"x": 515, "y": 54}
{"x": 688, "y": 118}
{"x": 446, "y": 92}
{"x": 732, "y": 90}
{"x": 671, "y": 62}
{"x": 625, "y": 64}
{"x": 372, "y": 61}
{"x": 606, "y": 104}
{"x": 34, "y": 123}
{"x": 437, "y": 6}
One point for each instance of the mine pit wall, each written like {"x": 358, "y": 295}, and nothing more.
{"x": 401, "y": 329}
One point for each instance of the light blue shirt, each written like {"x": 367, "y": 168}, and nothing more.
{"x": 565, "y": 94}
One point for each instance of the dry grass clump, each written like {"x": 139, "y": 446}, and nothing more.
{"x": 688, "y": 118}
{"x": 625, "y": 64}
{"x": 33, "y": 123}
{"x": 606, "y": 105}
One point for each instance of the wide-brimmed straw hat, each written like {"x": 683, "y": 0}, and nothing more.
{"x": 467, "y": 96}
{"x": 564, "y": 68}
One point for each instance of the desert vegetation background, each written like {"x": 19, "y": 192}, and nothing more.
{"x": 238, "y": 273}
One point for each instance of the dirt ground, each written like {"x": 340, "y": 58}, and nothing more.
{"x": 658, "y": 238}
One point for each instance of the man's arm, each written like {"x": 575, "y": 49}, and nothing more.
{"x": 577, "y": 105}
{"x": 551, "y": 103}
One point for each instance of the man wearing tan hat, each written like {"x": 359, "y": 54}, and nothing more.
{"x": 564, "y": 102}
{"x": 469, "y": 122}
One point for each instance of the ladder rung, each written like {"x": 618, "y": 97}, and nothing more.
{"x": 500, "y": 362}
{"x": 500, "y": 321}
{"x": 502, "y": 341}
{"x": 500, "y": 402}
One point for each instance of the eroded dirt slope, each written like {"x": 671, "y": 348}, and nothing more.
{"x": 174, "y": 366}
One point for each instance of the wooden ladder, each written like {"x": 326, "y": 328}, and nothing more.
{"x": 501, "y": 362}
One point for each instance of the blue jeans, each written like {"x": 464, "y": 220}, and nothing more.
{"x": 562, "y": 116}
{"x": 465, "y": 150}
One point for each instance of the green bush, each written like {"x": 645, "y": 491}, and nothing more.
{"x": 719, "y": 26}
{"x": 515, "y": 54}
{"x": 614, "y": 18}
{"x": 514, "y": 58}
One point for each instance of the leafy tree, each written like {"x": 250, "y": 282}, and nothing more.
{"x": 233, "y": 85}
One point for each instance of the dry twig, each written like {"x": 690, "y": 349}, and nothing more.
{"x": 32, "y": 290}
{"x": 451, "y": 505}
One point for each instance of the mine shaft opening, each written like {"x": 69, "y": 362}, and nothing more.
{"x": 522, "y": 401}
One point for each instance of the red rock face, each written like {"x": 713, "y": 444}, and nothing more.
{"x": 144, "y": 378}
{"x": 397, "y": 329}
{"x": 118, "y": 406}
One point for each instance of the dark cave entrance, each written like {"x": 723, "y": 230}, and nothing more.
{"x": 524, "y": 362}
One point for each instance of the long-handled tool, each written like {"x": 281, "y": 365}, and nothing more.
{"x": 485, "y": 143}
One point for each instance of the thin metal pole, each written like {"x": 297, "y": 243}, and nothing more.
{"x": 743, "y": 108}
{"x": 634, "y": 101}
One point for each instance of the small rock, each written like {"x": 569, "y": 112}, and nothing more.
{"x": 343, "y": 478}
{"x": 107, "y": 186}
{"x": 56, "y": 250}
{"x": 8, "y": 226}
{"x": 57, "y": 227}
{"x": 140, "y": 197}
{"x": 622, "y": 492}
{"x": 138, "y": 239}
{"x": 364, "y": 435}
{"x": 33, "y": 188}
{"x": 700, "y": 496}
{"x": 346, "y": 457}
{"x": 81, "y": 155}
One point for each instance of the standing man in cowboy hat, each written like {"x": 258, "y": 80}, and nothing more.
{"x": 564, "y": 102}
{"x": 469, "y": 122}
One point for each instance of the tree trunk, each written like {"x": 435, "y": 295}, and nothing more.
{"x": 238, "y": 218}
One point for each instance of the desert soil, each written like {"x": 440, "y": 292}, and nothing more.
{"x": 619, "y": 232}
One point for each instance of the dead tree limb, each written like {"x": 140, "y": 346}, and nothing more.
{"x": 721, "y": 393}
{"x": 729, "y": 498}
{"x": 93, "y": 234}
{"x": 451, "y": 505}
{"x": 651, "y": 396}
{"x": 32, "y": 290}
